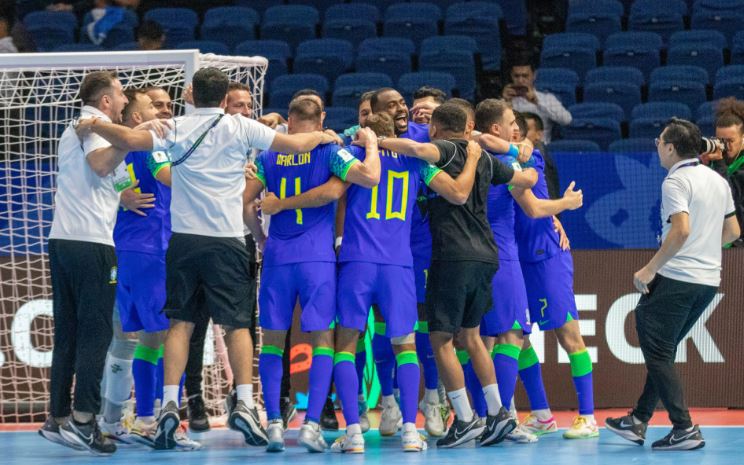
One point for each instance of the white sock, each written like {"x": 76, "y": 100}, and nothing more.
{"x": 396, "y": 393}
{"x": 360, "y": 398}
{"x": 512, "y": 408}
{"x": 461, "y": 404}
{"x": 146, "y": 420}
{"x": 431, "y": 396}
{"x": 493, "y": 399}
{"x": 353, "y": 429}
{"x": 409, "y": 427}
{"x": 245, "y": 393}
{"x": 636, "y": 421}
{"x": 170, "y": 394}
{"x": 118, "y": 387}
{"x": 388, "y": 401}
{"x": 590, "y": 418}
{"x": 543, "y": 414}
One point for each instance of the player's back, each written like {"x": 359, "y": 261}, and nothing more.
{"x": 501, "y": 213}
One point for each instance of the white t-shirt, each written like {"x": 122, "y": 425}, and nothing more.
{"x": 706, "y": 197}
{"x": 548, "y": 108}
{"x": 85, "y": 203}
{"x": 207, "y": 188}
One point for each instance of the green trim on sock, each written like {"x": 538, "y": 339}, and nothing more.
{"x": 320, "y": 351}
{"x": 581, "y": 363}
{"x": 332, "y": 325}
{"x": 343, "y": 357}
{"x": 569, "y": 317}
{"x": 407, "y": 357}
{"x": 380, "y": 328}
{"x": 462, "y": 356}
{"x": 268, "y": 349}
{"x": 528, "y": 358}
{"x": 147, "y": 354}
{"x": 516, "y": 326}
{"x": 423, "y": 327}
{"x": 161, "y": 351}
{"x": 509, "y": 350}
{"x": 361, "y": 347}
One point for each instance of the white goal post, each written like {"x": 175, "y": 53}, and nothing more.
{"x": 38, "y": 99}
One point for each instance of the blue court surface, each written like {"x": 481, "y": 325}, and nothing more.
{"x": 221, "y": 447}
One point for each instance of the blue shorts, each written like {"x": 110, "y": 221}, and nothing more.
{"x": 421, "y": 274}
{"x": 313, "y": 282}
{"x": 509, "y": 301}
{"x": 140, "y": 293}
{"x": 550, "y": 291}
{"x": 391, "y": 287}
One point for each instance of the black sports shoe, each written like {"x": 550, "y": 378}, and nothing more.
{"x": 287, "y": 409}
{"x": 247, "y": 422}
{"x": 497, "y": 428}
{"x": 681, "y": 439}
{"x": 461, "y": 432}
{"x": 168, "y": 422}
{"x": 50, "y": 431}
{"x": 198, "y": 419}
{"x": 328, "y": 420}
{"x": 230, "y": 401}
{"x": 88, "y": 436}
{"x": 627, "y": 428}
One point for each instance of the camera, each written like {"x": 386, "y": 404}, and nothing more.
{"x": 713, "y": 144}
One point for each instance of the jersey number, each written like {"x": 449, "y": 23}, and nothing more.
{"x": 400, "y": 213}
{"x": 297, "y": 191}
{"x": 130, "y": 170}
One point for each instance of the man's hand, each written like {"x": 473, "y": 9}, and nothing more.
{"x": 421, "y": 113}
{"x": 271, "y": 204}
{"x": 642, "y": 278}
{"x": 563, "y": 241}
{"x": 272, "y": 120}
{"x": 188, "y": 94}
{"x": 250, "y": 171}
{"x": 474, "y": 150}
{"x": 83, "y": 127}
{"x": 525, "y": 149}
{"x": 332, "y": 134}
{"x": 575, "y": 198}
{"x": 508, "y": 92}
{"x": 161, "y": 127}
{"x": 363, "y": 136}
{"x": 531, "y": 96}
{"x": 135, "y": 201}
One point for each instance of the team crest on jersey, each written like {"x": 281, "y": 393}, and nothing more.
{"x": 160, "y": 157}
{"x": 112, "y": 275}
{"x": 345, "y": 155}
{"x": 516, "y": 166}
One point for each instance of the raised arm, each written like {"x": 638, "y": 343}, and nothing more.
{"x": 540, "y": 208}
{"x": 524, "y": 179}
{"x": 328, "y": 192}
{"x": 367, "y": 173}
{"x": 103, "y": 161}
{"x": 457, "y": 191}
{"x": 119, "y": 136}
{"x": 521, "y": 150}
{"x": 425, "y": 151}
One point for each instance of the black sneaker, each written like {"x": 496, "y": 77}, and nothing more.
{"x": 627, "y": 428}
{"x": 198, "y": 419}
{"x": 681, "y": 439}
{"x": 247, "y": 422}
{"x": 88, "y": 436}
{"x": 168, "y": 422}
{"x": 230, "y": 400}
{"x": 461, "y": 432}
{"x": 50, "y": 431}
{"x": 287, "y": 409}
{"x": 328, "y": 420}
{"x": 497, "y": 428}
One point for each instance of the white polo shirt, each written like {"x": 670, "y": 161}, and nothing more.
{"x": 548, "y": 108}
{"x": 85, "y": 203}
{"x": 207, "y": 188}
{"x": 706, "y": 197}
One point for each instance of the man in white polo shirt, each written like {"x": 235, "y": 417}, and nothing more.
{"x": 206, "y": 252}
{"x": 698, "y": 218}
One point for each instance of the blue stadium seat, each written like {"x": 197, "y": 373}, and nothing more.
{"x": 440, "y": 43}
{"x": 719, "y": 6}
{"x": 680, "y": 73}
{"x": 705, "y": 56}
{"x": 661, "y": 110}
{"x": 561, "y": 82}
{"x": 627, "y": 74}
{"x": 349, "y": 87}
{"x": 78, "y": 48}
{"x": 579, "y": 59}
{"x": 596, "y": 6}
{"x": 381, "y": 4}
{"x": 127, "y": 46}
{"x": 698, "y": 37}
{"x": 284, "y": 87}
{"x": 572, "y": 39}
{"x": 647, "y": 128}
{"x": 637, "y": 49}
{"x": 276, "y": 51}
{"x": 411, "y": 82}
{"x": 259, "y": 5}
{"x": 353, "y": 11}
{"x": 657, "y": 6}
{"x": 321, "y": 5}
{"x": 657, "y": 16}
{"x": 728, "y": 25}
{"x": 340, "y": 118}
{"x": 516, "y": 20}
{"x": 328, "y": 57}
{"x": 352, "y": 29}
{"x": 725, "y": 89}
{"x": 205, "y": 46}
{"x": 179, "y": 24}
{"x": 479, "y": 20}
{"x": 706, "y": 124}
{"x": 573, "y": 146}
{"x": 389, "y": 55}
{"x": 737, "y": 49}
{"x": 415, "y": 21}
{"x": 599, "y": 25}
{"x": 230, "y": 25}
{"x": 460, "y": 64}
{"x": 121, "y": 33}
{"x": 688, "y": 92}
{"x": 48, "y": 29}
{"x": 590, "y": 110}
{"x": 633, "y": 145}
{"x": 621, "y": 93}
{"x": 706, "y": 109}
{"x": 600, "y": 130}
{"x": 291, "y": 23}
{"x": 730, "y": 73}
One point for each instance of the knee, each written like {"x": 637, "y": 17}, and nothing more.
{"x": 470, "y": 339}
{"x": 440, "y": 339}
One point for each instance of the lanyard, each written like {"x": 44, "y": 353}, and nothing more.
{"x": 684, "y": 165}
{"x": 197, "y": 143}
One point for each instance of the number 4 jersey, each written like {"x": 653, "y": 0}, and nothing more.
{"x": 302, "y": 235}
{"x": 377, "y": 227}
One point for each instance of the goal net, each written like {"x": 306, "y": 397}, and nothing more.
{"x": 38, "y": 99}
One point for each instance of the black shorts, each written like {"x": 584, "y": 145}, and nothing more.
{"x": 458, "y": 294}
{"x": 209, "y": 277}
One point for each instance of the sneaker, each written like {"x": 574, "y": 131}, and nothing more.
{"x": 183, "y": 441}
{"x": 628, "y": 428}
{"x": 288, "y": 411}
{"x": 497, "y": 427}
{"x": 413, "y": 441}
{"x": 88, "y": 436}
{"x": 230, "y": 400}
{"x": 582, "y": 428}
{"x": 391, "y": 419}
{"x": 363, "y": 417}
{"x": 539, "y": 427}
{"x": 168, "y": 423}
{"x": 311, "y": 438}
{"x": 247, "y": 422}
{"x": 681, "y": 439}
{"x": 328, "y": 420}
{"x": 197, "y": 413}
{"x": 446, "y": 412}
{"x": 144, "y": 433}
{"x": 432, "y": 418}
{"x": 521, "y": 435}
{"x": 50, "y": 431}
{"x": 351, "y": 444}
{"x": 461, "y": 432}
{"x": 116, "y": 431}
{"x": 275, "y": 435}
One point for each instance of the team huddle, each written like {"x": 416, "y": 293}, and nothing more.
{"x": 443, "y": 228}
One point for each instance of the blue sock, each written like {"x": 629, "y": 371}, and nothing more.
{"x": 473, "y": 384}
{"x": 531, "y": 375}
{"x": 410, "y": 377}
{"x": 321, "y": 372}
{"x": 271, "y": 370}
{"x": 360, "y": 361}
{"x": 581, "y": 371}
{"x": 382, "y": 350}
{"x": 344, "y": 376}
{"x": 159, "y": 376}
{"x": 144, "y": 371}
{"x": 426, "y": 357}
{"x": 505, "y": 362}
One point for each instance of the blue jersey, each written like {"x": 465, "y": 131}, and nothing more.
{"x": 151, "y": 233}
{"x": 501, "y": 214}
{"x": 302, "y": 235}
{"x": 536, "y": 237}
{"x": 420, "y": 233}
{"x": 377, "y": 226}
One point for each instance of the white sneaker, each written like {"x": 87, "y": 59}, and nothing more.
{"x": 432, "y": 417}
{"x": 582, "y": 428}
{"x": 349, "y": 443}
{"x": 183, "y": 441}
{"x": 275, "y": 433}
{"x": 144, "y": 433}
{"x": 391, "y": 419}
{"x": 363, "y": 417}
{"x": 521, "y": 435}
{"x": 312, "y": 438}
{"x": 116, "y": 431}
{"x": 413, "y": 441}
{"x": 539, "y": 427}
